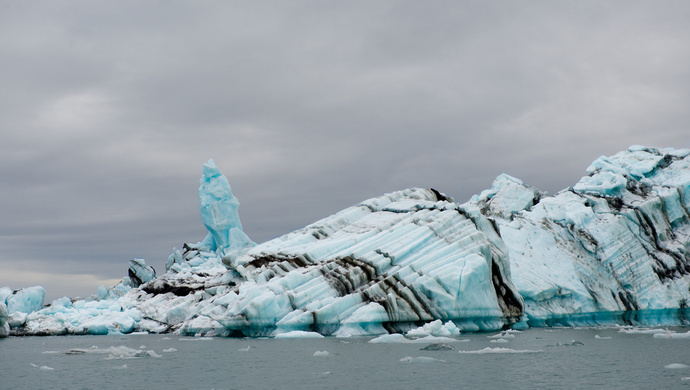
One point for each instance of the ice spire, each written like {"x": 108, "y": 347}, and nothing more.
{"x": 219, "y": 212}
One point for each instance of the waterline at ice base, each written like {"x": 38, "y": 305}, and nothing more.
{"x": 612, "y": 249}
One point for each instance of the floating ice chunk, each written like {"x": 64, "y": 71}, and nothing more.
{"x": 676, "y": 366}
{"x": 390, "y": 338}
{"x": 438, "y": 347}
{"x": 397, "y": 338}
{"x": 672, "y": 335}
{"x": 596, "y": 336}
{"x": 170, "y": 350}
{"x": 502, "y": 335}
{"x": 245, "y": 349}
{"x": 195, "y": 338}
{"x": 123, "y": 352}
{"x": 299, "y": 334}
{"x": 499, "y": 341}
{"x": 421, "y": 359}
{"x": 122, "y": 367}
{"x": 46, "y": 368}
{"x": 26, "y": 300}
{"x": 501, "y": 350}
{"x": 149, "y": 353}
{"x": 642, "y": 330}
{"x": 435, "y": 328}
{"x": 321, "y": 353}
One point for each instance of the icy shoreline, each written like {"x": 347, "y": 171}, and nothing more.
{"x": 613, "y": 249}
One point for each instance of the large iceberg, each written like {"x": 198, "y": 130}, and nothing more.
{"x": 612, "y": 249}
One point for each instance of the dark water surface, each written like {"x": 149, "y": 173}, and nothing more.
{"x": 561, "y": 359}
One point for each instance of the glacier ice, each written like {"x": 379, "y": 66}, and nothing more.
{"x": 26, "y": 300}
{"x": 612, "y": 249}
{"x": 4, "y": 326}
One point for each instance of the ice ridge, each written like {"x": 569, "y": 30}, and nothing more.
{"x": 612, "y": 249}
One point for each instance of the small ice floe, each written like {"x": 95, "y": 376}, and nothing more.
{"x": 435, "y": 328}
{"x": 573, "y": 343}
{"x": 82, "y": 351}
{"x": 322, "y": 374}
{"x": 166, "y": 338}
{"x": 245, "y": 349}
{"x": 669, "y": 334}
{"x": 196, "y": 338}
{"x": 501, "y": 350}
{"x": 122, "y": 367}
{"x": 632, "y": 330}
{"x": 50, "y": 352}
{"x": 33, "y": 365}
{"x": 123, "y": 352}
{"x": 142, "y": 347}
{"x": 676, "y": 366}
{"x": 170, "y": 350}
{"x": 46, "y": 368}
{"x": 299, "y": 334}
{"x": 502, "y": 335}
{"x": 321, "y": 353}
{"x": 421, "y": 359}
{"x": 438, "y": 347}
{"x": 596, "y": 336}
{"x": 399, "y": 338}
{"x": 499, "y": 341}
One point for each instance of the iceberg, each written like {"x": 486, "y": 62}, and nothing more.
{"x": 612, "y": 249}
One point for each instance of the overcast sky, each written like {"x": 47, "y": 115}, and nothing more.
{"x": 109, "y": 109}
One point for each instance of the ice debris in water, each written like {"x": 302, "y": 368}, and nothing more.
{"x": 299, "y": 334}
{"x": 676, "y": 366}
{"x": 321, "y": 353}
{"x": 397, "y": 338}
{"x": 421, "y": 359}
{"x": 609, "y": 250}
{"x": 438, "y": 347}
{"x": 671, "y": 335}
{"x": 500, "y": 350}
{"x": 123, "y": 352}
{"x": 435, "y": 328}
{"x": 633, "y": 330}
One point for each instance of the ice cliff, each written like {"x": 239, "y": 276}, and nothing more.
{"x": 613, "y": 249}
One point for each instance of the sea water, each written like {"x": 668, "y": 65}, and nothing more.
{"x": 561, "y": 358}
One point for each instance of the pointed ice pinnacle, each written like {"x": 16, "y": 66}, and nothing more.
{"x": 219, "y": 212}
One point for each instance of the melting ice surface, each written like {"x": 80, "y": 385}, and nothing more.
{"x": 612, "y": 249}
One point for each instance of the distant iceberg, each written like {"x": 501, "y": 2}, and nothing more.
{"x": 612, "y": 249}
